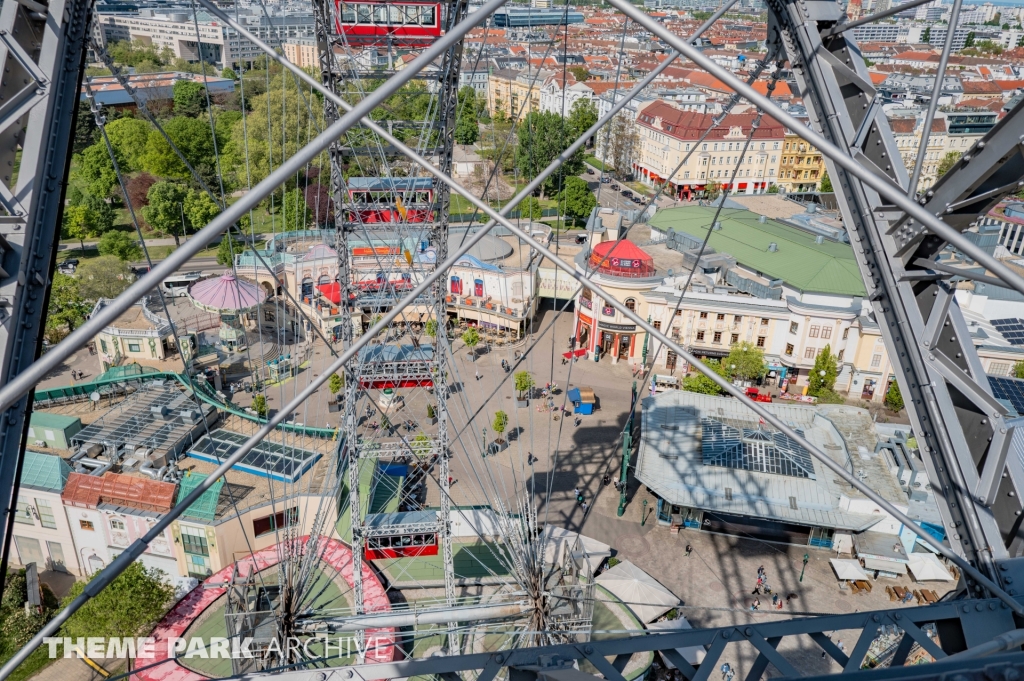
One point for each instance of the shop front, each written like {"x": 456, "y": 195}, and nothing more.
{"x": 584, "y": 331}
{"x": 618, "y": 341}
{"x": 776, "y": 374}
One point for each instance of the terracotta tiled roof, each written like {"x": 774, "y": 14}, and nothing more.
{"x": 982, "y": 87}
{"x": 903, "y": 125}
{"x": 119, "y": 490}
{"x": 688, "y": 125}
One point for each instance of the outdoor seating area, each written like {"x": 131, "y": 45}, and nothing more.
{"x": 904, "y": 594}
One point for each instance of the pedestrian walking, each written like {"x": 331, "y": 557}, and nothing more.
{"x": 585, "y": 507}
{"x": 726, "y": 670}
{"x": 477, "y": 371}
{"x": 688, "y": 549}
{"x": 760, "y": 571}
{"x": 775, "y": 599}
{"x": 755, "y": 605}
{"x": 606, "y": 480}
{"x": 842, "y": 648}
{"x": 576, "y": 492}
{"x": 576, "y": 421}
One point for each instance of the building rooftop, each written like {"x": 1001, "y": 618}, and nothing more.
{"x": 800, "y": 261}
{"x": 44, "y": 419}
{"x": 673, "y": 462}
{"x": 44, "y": 472}
{"x": 134, "y": 494}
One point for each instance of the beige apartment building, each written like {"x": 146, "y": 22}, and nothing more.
{"x": 302, "y": 52}
{"x": 801, "y": 167}
{"x": 512, "y": 94}
{"x": 669, "y": 135}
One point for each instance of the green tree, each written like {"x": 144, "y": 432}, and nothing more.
{"x": 103, "y": 277}
{"x": 295, "y": 214}
{"x": 827, "y": 364}
{"x": 1018, "y": 369}
{"x": 748, "y": 360}
{"x": 576, "y": 199}
{"x": 529, "y": 208}
{"x": 927, "y": 35}
{"x": 193, "y": 139}
{"x": 94, "y": 168}
{"x": 66, "y": 311}
{"x": 893, "y": 397}
{"x": 467, "y": 129}
{"x": 948, "y": 161}
{"x": 189, "y": 98}
{"x": 199, "y": 209}
{"x": 229, "y": 247}
{"x": 969, "y": 42}
{"x": 121, "y": 245}
{"x": 580, "y": 73}
{"x": 430, "y": 328}
{"x": 259, "y": 405}
{"x": 228, "y": 72}
{"x": 582, "y": 115}
{"x": 523, "y": 382}
{"x": 165, "y": 210}
{"x": 699, "y": 383}
{"x": 774, "y": 189}
{"x": 128, "y": 606}
{"x": 826, "y": 182}
{"x": 79, "y": 223}
{"x": 18, "y": 626}
{"x": 420, "y": 445}
{"x": 335, "y": 383}
{"x": 712, "y": 189}
{"x": 85, "y": 127}
{"x": 471, "y": 337}
{"x": 543, "y": 135}
{"x": 128, "y": 137}
{"x": 500, "y": 423}
{"x": 103, "y": 214}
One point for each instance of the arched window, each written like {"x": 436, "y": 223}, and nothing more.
{"x": 631, "y": 304}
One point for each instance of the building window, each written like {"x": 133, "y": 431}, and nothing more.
{"x": 813, "y": 333}
{"x": 703, "y": 315}
{"x": 760, "y": 341}
{"x": 270, "y": 523}
{"x": 876, "y": 361}
{"x": 657, "y": 326}
{"x": 116, "y": 524}
{"x": 846, "y": 333}
{"x": 103, "y": 345}
{"x": 193, "y": 541}
{"x": 134, "y": 347}
{"x": 809, "y": 353}
{"x": 998, "y": 369}
{"x": 198, "y": 566}
{"x": 764, "y": 321}
{"x": 700, "y": 336}
{"x": 793, "y": 327}
{"x": 717, "y": 338}
{"x": 720, "y": 317}
{"x": 87, "y": 525}
{"x": 737, "y": 319}
{"x": 23, "y": 513}
{"x": 826, "y": 332}
{"x": 839, "y": 357}
{"x": 631, "y": 304}
{"x": 789, "y": 348}
{"x": 735, "y": 339}
{"x": 46, "y": 517}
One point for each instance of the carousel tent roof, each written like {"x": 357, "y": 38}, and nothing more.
{"x": 226, "y": 294}
{"x": 640, "y": 592}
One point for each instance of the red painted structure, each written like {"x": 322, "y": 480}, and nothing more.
{"x": 401, "y": 546}
{"x": 380, "y": 642}
{"x": 395, "y": 24}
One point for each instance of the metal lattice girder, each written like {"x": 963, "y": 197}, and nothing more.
{"x": 961, "y": 625}
{"x": 956, "y": 421}
{"x": 42, "y": 54}
{"x": 381, "y": 450}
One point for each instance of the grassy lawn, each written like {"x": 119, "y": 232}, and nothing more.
{"x": 33, "y": 665}
{"x": 639, "y": 187}
{"x": 592, "y": 160}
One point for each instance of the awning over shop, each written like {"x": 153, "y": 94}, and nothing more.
{"x": 848, "y": 570}
{"x": 641, "y": 593}
{"x": 885, "y": 565}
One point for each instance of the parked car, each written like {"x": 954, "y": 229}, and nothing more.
{"x": 68, "y": 266}
{"x": 590, "y": 171}
{"x": 627, "y": 193}
{"x": 615, "y": 187}
{"x": 605, "y": 180}
{"x": 637, "y": 199}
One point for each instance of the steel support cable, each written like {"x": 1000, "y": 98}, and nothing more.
{"x": 940, "y": 77}
{"x": 885, "y": 187}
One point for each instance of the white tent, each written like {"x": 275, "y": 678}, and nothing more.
{"x": 641, "y": 593}
{"x": 557, "y": 541}
{"x": 928, "y": 568}
{"x": 692, "y": 654}
{"x": 847, "y": 569}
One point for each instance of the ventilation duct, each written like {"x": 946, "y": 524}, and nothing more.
{"x": 773, "y": 247}
{"x": 762, "y": 219}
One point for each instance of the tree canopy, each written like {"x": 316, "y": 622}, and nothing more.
{"x": 947, "y": 162}
{"x": 128, "y": 606}
{"x": 122, "y": 245}
{"x": 582, "y": 115}
{"x": 189, "y": 98}
{"x": 164, "y": 211}
{"x": 103, "y": 277}
{"x": 67, "y": 310}
{"x": 576, "y": 199}
{"x": 699, "y": 383}
{"x": 543, "y": 135}
{"x": 825, "y": 363}
{"x": 748, "y": 360}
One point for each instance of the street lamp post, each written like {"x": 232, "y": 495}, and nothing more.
{"x": 643, "y": 514}
{"x": 643, "y": 355}
{"x": 627, "y": 445}
{"x": 806, "y": 558}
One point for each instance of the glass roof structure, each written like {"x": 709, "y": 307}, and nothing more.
{"x": 267, "y": 459}
{"x": 753, "y": 449}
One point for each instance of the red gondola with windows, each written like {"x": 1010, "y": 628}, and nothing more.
{"x": 414, "y": 534}
{"x": 396, "y": 24}
{"x": 390, "y": 199}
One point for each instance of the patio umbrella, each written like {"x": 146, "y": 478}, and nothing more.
{"x": 848, "y": 570}
{"x": 927, "y": 568}
{"x": 641, "y": 593}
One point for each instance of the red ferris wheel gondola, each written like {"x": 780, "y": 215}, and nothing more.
{"x": 398, "y": 24}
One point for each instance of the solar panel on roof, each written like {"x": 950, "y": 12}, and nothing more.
{"x": 267, "y": 459}
{"x": 753, "y": 449}
{"x": 1009, "y": 389}
{"x": 1011, "y": 328}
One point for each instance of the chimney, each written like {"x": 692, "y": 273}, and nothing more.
{"x": 762, "y": 219}
{"x": 773, "y": 247}
{"x": 819, "y": 239}
{"x": 717, "y": 226}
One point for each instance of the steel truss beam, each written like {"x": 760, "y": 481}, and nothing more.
{"x": 42, "y": 55}
{"x": 964, "y": 433}
{"x": 962, "y": 625}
